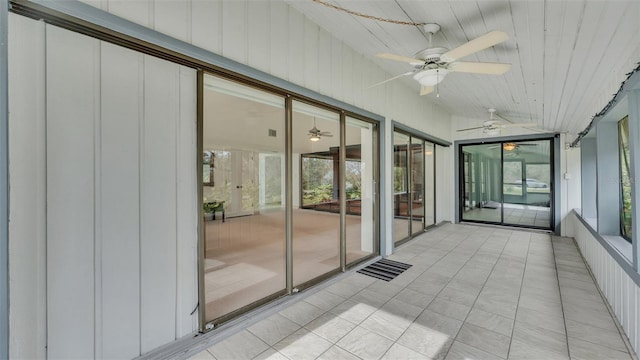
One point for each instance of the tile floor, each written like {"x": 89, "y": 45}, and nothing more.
{"x": 473, "y": 293}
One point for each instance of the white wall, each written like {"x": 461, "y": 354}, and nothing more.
{"x": 103, "y": 217}
{"x": 622, "y": 293}
{"x": 570, "y": 175}
{"x": 27, "y": 196}
{"x": 102, "y": 170}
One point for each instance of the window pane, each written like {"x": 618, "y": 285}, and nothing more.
{"x": 400, "y": 186}
{"x": 244, "y": 227}
{"x": 481, "y": 186}
{"x": 430, "y": 184}
{"x": 316, "y": 204}
{"x": 417, "y": 186}
{"x": 360, "y": 184}
{"x": 625, "y": 183}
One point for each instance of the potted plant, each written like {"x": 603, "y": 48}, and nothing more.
{"x": 208, "y": 209}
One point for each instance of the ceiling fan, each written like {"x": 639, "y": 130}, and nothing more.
{"x": 431, "y": 65}
{"x": 315, "y": 134}
{"x": 493, "y": 126}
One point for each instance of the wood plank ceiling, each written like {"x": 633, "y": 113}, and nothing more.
{"x": 568, "y": 57}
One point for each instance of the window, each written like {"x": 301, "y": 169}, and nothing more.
{"x": 625, "y": 179}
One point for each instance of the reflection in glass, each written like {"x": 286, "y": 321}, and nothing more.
{"x": 244, "y": 246}
{"x": 400, "y": 186}
{"x": 626, "y": 214}
{"x": 429, "y": 184}
{"x": 527, "y": 179}
{"x": 481, "y": 182}
{"x": 316, "y": 202}
{"x": 417, "y": 186}
{"x": 360, "y": 184}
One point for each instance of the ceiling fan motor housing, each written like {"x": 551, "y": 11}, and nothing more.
{"x": 431, "y": 55}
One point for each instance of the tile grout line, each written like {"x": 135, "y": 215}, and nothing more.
{"x": 564, "y": 318}
{"x": 405, "y": 287}
{"x": 476, "y": 300}
{"x": 438, "y": 293}
{"x": 515, "y": 316}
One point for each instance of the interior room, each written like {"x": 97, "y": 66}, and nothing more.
{"x": 321, "y": 179}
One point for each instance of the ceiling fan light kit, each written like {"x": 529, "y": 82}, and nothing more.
{"x": 431, "y": 65}
{"x": 430, "y": 77}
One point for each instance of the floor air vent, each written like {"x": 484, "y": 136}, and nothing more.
{"x": 385, "y": 269}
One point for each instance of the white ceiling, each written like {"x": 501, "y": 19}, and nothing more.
{"x": 569, "y": 57}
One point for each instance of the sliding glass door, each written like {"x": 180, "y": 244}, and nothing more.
{"x": 289, "y": 195}
{"x": 244, "y": 225}
{"x": 507, "y": 183}
{"x": 414, "y": 185}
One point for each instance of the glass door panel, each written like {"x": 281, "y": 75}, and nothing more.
{"x": 316, "y": 205}
{"x": 530, "y": 183}
{"x": 417, "y": 186}
{"x": 429, "y": 184}
{"x": 401, "y": 191}
{"x": 244, "y": 258}
{"x": 360, "y": 177}
{"x": 481, "y": 186}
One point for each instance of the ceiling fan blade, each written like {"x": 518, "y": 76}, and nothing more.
{"x": 480, "y": 68}
{"x": 518, "y": 125}
{"x": 400, "y": 58}
{"x": 473, "y": 128}
{"x": 390, "y": 79}
{"x": 480, "y": 43}
{"x": 327, "y": 134}
{"x": 425, "y": 90}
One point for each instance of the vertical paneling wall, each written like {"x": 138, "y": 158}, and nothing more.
{"x": 27, "y": 196}
{"x": 622, "y": 293}
{"x": 105, "y": 190}
{"x": 271, "y": 36}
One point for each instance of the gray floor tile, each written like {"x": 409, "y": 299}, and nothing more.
{"x": 461, "y": 351}
{"x": 302, "y": 344}
{"x": 426, "y": 340}
{"x": 415, "y": 298}
{"x": 461, "y": 297}
{"x": 343, "y": 289}
{"x": 517, "y": 312}
{"x": 243, "y": 345}
{"x": 541, "y": 306}
{"x": 400, "y": 352}
{"x": 337, "y": 353}
{"x": 401, "y": 309}
{"x": 600, "y": 319}
{"x": 204, "y": 355}
{"x": 353, "y": 311}
{"x": 539, "y": 337}
{"x": 301, "y": 312}
{"x": 490, "y": 321}
{"x": 385, "y": 288}
{"x": 270, "y": 354}
{"x": 371, "y": 298}
{"x": 324, "y": 300}
{"x": 439, "y": 322}
{"x": 365, "y": 344}
{"x": 610, "y": 339}
{"x": 553, "y": 322}
{"x": 523, "y": 350}
{"x": 584, "y": 350}
{"x": 449, "y": 308}
{"x": 274, "y": 328}
{"x": 484, "y": 339}
{"x": 330, "y": 326}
